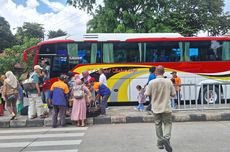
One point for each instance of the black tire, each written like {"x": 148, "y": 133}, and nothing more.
{"x": 213, "y": 95}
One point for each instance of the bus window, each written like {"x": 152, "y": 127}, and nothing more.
{"x": 205, "y": 50}
{"x": 162, "y": 52}
{"x": 226, "y": 51}
{"x": 121, "y": 52}
{"x": 98, "y": 55}
{"x": 48, "y": 49}
{"x": 73, "y": 54}
{"x": 84, "y": 52}
{"x": 59, "y": 64}
{"x": 131, "y": 52}
{"x": 62, "y": 49}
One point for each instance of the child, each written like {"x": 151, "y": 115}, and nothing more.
{"x": 141, "y": 98}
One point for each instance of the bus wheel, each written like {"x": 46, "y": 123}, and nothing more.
{"x": 210, "y": 96}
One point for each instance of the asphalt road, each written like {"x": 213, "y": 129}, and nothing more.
{"x": 186, "y": 137}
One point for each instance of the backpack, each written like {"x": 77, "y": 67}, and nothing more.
{"x": 78, "y": 92}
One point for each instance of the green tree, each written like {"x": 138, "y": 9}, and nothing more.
{"x": 190, "y": 16}
{"x": 183, "y": 16}
{"x": 29, "y": 30}
{"x": 53, "y": 34}
{"x": 6, "y": 37}
{"x": 14, "y": 55}
{"x": 83, "y": 4}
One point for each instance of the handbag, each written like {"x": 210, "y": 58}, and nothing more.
{"x": 28, "y": 84}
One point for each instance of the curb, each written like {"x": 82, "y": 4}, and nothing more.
{"x": 177, "y": 117}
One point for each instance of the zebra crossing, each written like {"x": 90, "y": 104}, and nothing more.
{"x": 41, "y": 139}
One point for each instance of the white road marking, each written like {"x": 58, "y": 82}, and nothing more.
{"x": 41, "y": 136}
{"x": 40, "y": 143}
{"x": 42, "y": 130}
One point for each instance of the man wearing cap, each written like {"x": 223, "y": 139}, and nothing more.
{"x": 34, "y": 95}
{"x": 177, "y": 83}
{"x": 59, "y": 91}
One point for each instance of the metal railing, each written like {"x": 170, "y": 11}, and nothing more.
{"x": 202, "y": 97}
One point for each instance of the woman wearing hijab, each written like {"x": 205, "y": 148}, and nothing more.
{"x": 79, "y": 103}
{"x": 86, "y": 76}
{"x": 10, "y": 93}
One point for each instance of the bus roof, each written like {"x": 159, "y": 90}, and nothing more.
{"x": 115, "y": 36}
{"x": 128, "y": 37}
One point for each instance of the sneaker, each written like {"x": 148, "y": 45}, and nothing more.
{"x": 107, "y": 108}
{"x": 142, "y": 109}
{"x": 135, "y": 108}
{"x": 167, "y": 145}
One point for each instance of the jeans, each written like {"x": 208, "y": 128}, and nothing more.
{"x": 104, "y": 103}
{"x": 140, "y": 106}
{"x": 173, "y": 103}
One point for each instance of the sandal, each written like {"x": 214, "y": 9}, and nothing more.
{"x": 13, "y": 117}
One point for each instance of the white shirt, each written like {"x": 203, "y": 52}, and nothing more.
{"x": 102, "y": 79}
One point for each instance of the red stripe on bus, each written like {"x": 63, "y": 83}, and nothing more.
{"x": 192, "y": 67}
{"x": 90, "y": 41}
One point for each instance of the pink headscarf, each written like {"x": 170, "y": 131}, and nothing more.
{"x": 85, "y": 73}
{"x": 76, "y": 76}
{"x": 78, "y": 82}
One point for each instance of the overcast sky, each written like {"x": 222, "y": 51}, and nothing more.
{"x": 53, "y": 14}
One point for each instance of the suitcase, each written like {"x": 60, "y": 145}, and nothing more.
{"x": 1, "y": 110}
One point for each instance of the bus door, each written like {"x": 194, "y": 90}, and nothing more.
{"x": 57, "y": 57}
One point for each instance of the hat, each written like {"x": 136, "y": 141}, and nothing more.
{"x": 37, "y": 67}
{"x": 92, "y": 79}
{"x": 173, "y": 72}
{"x": 62, "y": 77}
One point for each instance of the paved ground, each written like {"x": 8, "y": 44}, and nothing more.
{"x": 122, "y": 114}
{"x": 133, "y": 137}
{"x": 41, "y": 139}
{"x": 186, "y": 137}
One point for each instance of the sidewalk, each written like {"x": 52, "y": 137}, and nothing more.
{"x": 121, "y": 115}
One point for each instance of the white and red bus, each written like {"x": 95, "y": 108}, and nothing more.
{"x": 126, "y": 58}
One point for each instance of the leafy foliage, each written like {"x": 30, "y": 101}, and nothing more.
{"x": 12, "y": 58}
{"x": 6, "y": 37}
{"x": 53, "y": 34}
{"x": 83, "y": 4}
{"x": 187, "y": 17}
{"x": 14, "y": 55}
{"x": 29, "y": 30}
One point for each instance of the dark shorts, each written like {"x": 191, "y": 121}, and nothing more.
{"x": 11, "y": 99}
